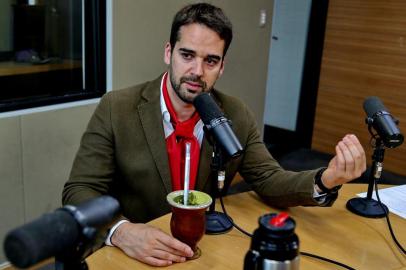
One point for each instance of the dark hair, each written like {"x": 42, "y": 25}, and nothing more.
{"x": 206, "y": 14}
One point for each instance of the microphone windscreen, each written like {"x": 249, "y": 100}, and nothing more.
{"x": 98, "y": 212}
{"x": 372, "y": 105}
{"x": 207, "y": 108}
{"x": 40, "y": 239}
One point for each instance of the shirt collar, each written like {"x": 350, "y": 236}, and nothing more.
{"x": 166, "y": 117}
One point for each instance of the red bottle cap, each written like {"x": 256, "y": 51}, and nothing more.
{"x": 279, "y": 220}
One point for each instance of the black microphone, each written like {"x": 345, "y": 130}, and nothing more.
{"x": 383, "y": 122}
{"x": 55, "y": 234}
{"x": 217, "y": 124}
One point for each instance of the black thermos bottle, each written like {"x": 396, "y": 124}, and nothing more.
{"x": 274, "y": 245}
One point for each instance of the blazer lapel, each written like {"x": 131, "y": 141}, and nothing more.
{"x": 151, "y": 119}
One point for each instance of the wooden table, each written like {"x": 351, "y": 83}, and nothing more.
{"x": 332, "y": 232}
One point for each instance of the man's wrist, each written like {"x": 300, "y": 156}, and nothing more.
{"x": 319, "y": 185}
{"x": 113, "y": 229}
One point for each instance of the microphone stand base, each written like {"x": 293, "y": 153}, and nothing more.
{"x": 217, "y": 223}
{"x": 365, "y": 207}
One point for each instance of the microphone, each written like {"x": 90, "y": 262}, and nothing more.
{"x": 383, "y": 122}
{"x": 217, "y": 124}
{"x": 66, "y": 230}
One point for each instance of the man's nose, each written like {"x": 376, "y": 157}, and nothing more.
{"x": 198, "y": 68}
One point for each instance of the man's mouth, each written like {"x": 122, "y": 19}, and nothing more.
{"x": 193, "y": 85}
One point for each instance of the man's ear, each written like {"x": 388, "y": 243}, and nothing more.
{"x": 167, "y": 53}
{"x": 222, "y": 67}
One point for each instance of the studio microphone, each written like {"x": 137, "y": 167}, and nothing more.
{"x": 67, "y": 229}
{"x": 217, "y": 124}
{"x": 384, "y": 124}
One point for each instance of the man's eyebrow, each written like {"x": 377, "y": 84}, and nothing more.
{"x": 213, "y": 56}
{"x": 187, "y": 50}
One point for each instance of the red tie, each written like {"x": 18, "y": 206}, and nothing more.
{"x": 175, "y": 145}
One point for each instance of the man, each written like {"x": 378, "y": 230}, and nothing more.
{"x": 132, "y": 148}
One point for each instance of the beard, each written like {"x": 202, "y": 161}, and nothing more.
{"x": 183, "y": 93}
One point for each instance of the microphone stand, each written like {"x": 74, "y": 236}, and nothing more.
{"x": 74, "y": 257}
{"x": 217, "y": 222}
{"x": 368, "y": 207}
{"x": 72, "y": 260}
{"x": 76, "y": 265}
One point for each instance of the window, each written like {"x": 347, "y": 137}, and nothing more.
{"x": 51, "y": 51}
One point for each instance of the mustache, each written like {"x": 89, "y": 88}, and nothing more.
{"x": 195, "y": 79}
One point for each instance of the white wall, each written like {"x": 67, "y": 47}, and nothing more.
{"x": 286, "y": 59}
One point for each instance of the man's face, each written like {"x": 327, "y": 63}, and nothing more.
{"x": 196, "y": 62}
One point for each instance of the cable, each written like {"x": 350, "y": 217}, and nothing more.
{"x": 388, "y": 221}
{"x": 229, "y": 219}
{"x": 302, "y": 253}
{"x": 327, "y": 260}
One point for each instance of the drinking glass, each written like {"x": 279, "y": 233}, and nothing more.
{"x": 188, "y": 221}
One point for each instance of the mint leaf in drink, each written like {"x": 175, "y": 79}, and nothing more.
{"x": 192, "y": 199}
{"x": 178, "y": 199}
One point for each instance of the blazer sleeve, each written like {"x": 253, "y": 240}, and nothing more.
{"x": 94, "y": 164}
{"x": 267, "y": 178}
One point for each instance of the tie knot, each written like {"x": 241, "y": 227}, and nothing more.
{"x": 184, "y": 130}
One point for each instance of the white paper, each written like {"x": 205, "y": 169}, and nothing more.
{"x": 394, "y": 198}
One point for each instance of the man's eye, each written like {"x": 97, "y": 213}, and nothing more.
{"x": 187, "y": 55}
{"x": 211, "y": 62}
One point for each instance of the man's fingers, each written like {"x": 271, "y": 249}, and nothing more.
{"x": 357, "y": 153}
{"x": 340, "y": 158}
{"x": 155, "y": 262}
{"x": 176, "y": 245}
{"x": 168, "y": 256}
{"x": 350, "y": 152}
{"x": 361, "y": 160}
{"x": 164, "y": 247}
{"x": 357, "y": 143}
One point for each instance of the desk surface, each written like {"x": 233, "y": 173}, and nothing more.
{"x": 332, "y": 232}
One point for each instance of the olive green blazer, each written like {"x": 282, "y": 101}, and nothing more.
{"x": 123, "y": 153}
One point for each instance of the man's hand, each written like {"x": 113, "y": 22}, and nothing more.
{"x": 149, "y": 244}
{"x": 348, "y": 163}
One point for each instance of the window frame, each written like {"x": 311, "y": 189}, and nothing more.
{"x": 94, "y": 62}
